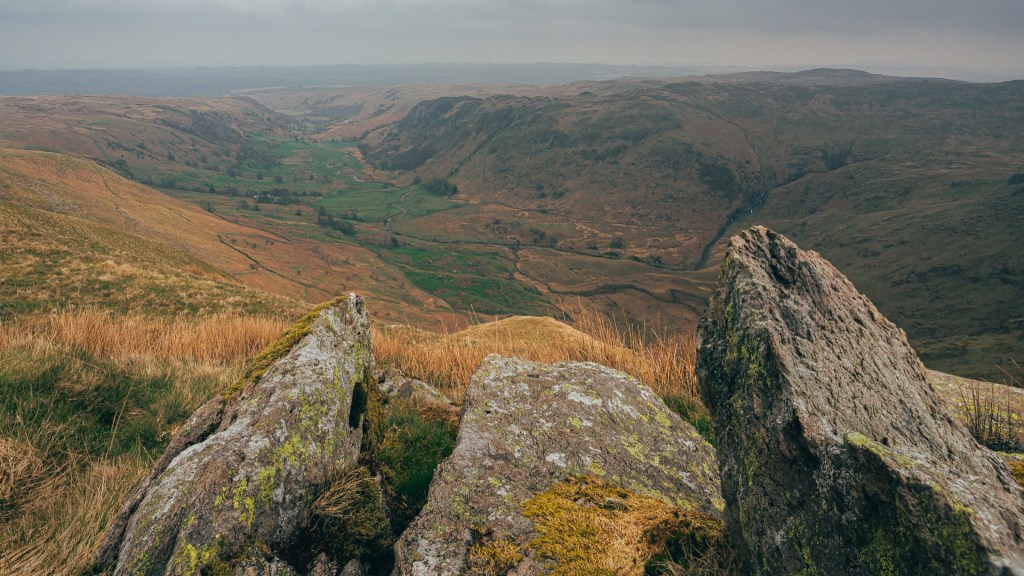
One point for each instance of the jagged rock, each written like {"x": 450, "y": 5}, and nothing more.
{"x": 255, "y": 561}
{"x": 836, "y": 455}
{"x": 397, "y": 385}
{"x": 324, "y": 566}
{"x": 244, "y": 470}
{"x": 353, "y": 568}
{"x": 528, "y": 429}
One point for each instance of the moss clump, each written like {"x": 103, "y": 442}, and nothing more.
{"x": 919, "y": 529}
{"x": 191, "y": 560}
{"x": 277, "y": 349}
{"x": 861, "y": 441}
{"x": 1017, "y": 469}
{"x": 492, "y": 558}
{"x": 585, "y": 525}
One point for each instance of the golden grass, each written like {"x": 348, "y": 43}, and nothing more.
{"x": 216, "y": 338}
{"x": 21, "y": 469}
{"x": 339, "y": 497}
{"x": 56, "y": 502}
{"x": 58, "y": 532}
{"x": 662, "y": 362}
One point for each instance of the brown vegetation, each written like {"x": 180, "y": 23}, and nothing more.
{"x": 57, "y": 495}
{"x": 662, "y": 362}
{"x": 218, "y": 338}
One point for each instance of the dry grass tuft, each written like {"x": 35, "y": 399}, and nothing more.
{"x": 992, "y": 414}
{"x": 21, "y": 470}
{"x": 60, "y": 535}
{"x": 215, "y": 338}
{"x": 338, "y": 499}
{"x": 351, "y": 516}
{"x": 662, "y": 362}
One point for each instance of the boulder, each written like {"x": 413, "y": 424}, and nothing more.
{"x": 257, "y": 561}
{"x": 244, "y": 469}
{"x": 548, "y": 459}
{"x": 353, "y": 568}
{"x": 836, "y": 454}
{"x": 397, "y": 385}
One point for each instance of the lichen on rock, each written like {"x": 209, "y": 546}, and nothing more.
{"x": 246, "y": 467}
{"x": 836, "y": 454}
{"x": 528, "y": 433}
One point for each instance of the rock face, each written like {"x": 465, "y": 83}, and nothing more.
{"x": 530, "y": 428}
{"x": 244, "y": 470}
{"x": 836, "y": 455}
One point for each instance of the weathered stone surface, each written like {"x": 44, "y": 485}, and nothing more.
{"x": 244, "y": 470}
{"x": 324, "y": 566}
{"x": 257, "y": 562}
{"x": 526, "y": 427}
{"x": 836, "y": 455}
{"x": 397, "y": 385}
{"x": 353, "y": 568}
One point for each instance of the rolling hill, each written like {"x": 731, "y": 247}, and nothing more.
{"x": 626, "y": 197}
{"x": 77, "y": 234}
{"x": 612, "y": 196}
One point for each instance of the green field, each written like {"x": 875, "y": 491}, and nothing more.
{"x": 468, "y": 280}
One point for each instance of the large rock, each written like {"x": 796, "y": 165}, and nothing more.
{"x": 244, "y": 470}
{"x": 836, "y": 455}
{"x": 537, "y": 439}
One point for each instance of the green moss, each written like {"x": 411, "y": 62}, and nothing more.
{"x": 492, "y": 558}
{"x": 926, "y": 530}
{"x": 191, "y": 560}
{"x": 859, "y": 440}
{"x": 585, "y": 525}
{"x": 1017, "y": 469}
{"x": 879, "y": 556}
{"x": 245, "y": 504}
{"x": 276, "y": 350}
{"x": 799, "y": 537}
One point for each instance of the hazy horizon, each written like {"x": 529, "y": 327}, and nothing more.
{"x": 980, "y": 38}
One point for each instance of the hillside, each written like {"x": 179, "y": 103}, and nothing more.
{"x": 608, "y": 197}
{"x": 71, "y": 214}
{"x": 623, "y": 198}
{"x": 347, "y": 113}
{"x": 78, "y": 236}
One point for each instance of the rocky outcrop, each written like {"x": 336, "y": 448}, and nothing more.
{"x": 836, "y": 454}
{"x": 397, "y": 385}
{"x": 244, "y": 469}
{"x": 541, "y": 447}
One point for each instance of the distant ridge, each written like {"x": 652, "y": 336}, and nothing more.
{"x": 219, "y": 81}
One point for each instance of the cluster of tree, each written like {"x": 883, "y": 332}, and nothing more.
{"x": 257, "y": 156}
{"x": 327, "y": 220}
{"x": 281, "y": 196}
{"x": 440, "y": 187}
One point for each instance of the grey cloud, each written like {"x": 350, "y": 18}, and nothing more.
{"x": 49, "y": 33}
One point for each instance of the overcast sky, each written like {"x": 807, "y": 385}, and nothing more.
{"x": 986, "y": 35}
